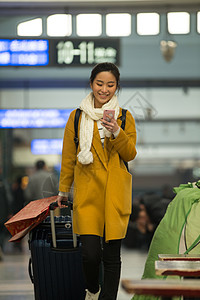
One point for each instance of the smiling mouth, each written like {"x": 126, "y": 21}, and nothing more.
{"x": 103, "y": 95}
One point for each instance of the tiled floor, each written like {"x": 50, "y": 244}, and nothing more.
{"x": 16, "y": 285}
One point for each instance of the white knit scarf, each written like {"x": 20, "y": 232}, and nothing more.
{"x": 89, "y": 115}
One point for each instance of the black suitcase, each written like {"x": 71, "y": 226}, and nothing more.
{"x": 55, "y": 266}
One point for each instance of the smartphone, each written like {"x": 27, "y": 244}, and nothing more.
{"x": 109, "y": 112}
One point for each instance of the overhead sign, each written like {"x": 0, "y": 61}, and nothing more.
{"x": 46, "y": 146}
{"x": 24, "y": 52}
{"x": 58, "y": 52}
{"x": 34, "y": 118}
{"x": 80, "y": 52}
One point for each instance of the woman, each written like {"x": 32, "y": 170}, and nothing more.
{"x": 102, "y": 184}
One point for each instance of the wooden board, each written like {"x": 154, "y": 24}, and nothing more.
{"x": 190, "y": 257}
{"x": 179, "y": 268}
{"x": 159, "y": 287}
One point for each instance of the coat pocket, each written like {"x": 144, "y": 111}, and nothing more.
{"x": 119, "y": 190}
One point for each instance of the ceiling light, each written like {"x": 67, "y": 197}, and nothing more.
{"x": 89, "y": 24}
{"x": 59, "y": 25}
{"x": 30, "y": 28}
{"x": 178, "y": 22}
{"x": 118, "y": 24}
{"x": 148, "y": 23}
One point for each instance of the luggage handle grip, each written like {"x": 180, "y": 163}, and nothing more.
{"x": 54, "y": 205}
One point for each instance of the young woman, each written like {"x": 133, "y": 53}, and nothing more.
{"x": 102, "y": 184}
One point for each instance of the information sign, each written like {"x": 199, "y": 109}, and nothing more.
{"x": 21, "y": 52}
{"x": 80, "y": 52}
{"x": 58, "y": 52}
{"x": 46, "y": 146}
{"x": 34, "y": 118}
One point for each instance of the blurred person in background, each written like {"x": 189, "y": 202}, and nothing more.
{"x": 5, "y": 200}
{"x": 41, "y": 184}
{"x": 148, "y": 210}
{"x": 140, "y": 229}
{"x": 167, "y": 192}
{"x": 155, "y": 207}
{"x": 18, "y": 194}
{"x": 18, "y": 203}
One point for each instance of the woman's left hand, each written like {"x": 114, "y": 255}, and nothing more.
{"x": 111, "y": 125}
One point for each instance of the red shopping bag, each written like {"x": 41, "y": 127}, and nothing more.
{"x": 28, "y": 217}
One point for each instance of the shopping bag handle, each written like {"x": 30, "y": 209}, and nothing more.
{"x": 54, "y": 205}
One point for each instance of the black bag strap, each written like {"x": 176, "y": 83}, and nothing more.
{"x": 123, "y": 118}
{"x": 126, "y": 165}
{"x": 76, "y": 119}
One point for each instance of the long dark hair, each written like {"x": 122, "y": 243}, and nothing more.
{"x": 106, "y": 67}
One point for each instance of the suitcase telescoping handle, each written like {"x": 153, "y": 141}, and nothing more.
{"x": 52, "y": 206}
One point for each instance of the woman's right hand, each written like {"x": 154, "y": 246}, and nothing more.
{"x": 59, "y": 199}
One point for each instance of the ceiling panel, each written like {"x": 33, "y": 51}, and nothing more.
{"x": 16, "y": 7}
{"x": 101, "y": 3}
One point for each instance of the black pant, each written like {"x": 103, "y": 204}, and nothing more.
{"x": 95, "y": 250}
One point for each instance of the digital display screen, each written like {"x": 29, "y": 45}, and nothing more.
{"x": 46, "y": 146}
{"x": 58, "y": 52}
{"x": 34, "y": 118}
{"x": 16, "y": 52}
{"x": 80, "y": 52}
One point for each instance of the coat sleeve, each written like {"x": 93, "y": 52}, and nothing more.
{"x": 125, "y": 142}
{"x": 68, "y": 156}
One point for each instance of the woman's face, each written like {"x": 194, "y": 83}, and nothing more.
{"x": 104, "y": 87}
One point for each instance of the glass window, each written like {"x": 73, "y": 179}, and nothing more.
{"x": 59, "y": 25}
{"x": 148, "y": 23}
{"x": 89, "y": 24}
{"x": 178, "y": 22}
{"x": 198, "y": 22}
{"x": 30, "y": 28}
{"x": 118, "y": 24}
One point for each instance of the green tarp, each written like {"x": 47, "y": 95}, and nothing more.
{"x": 182, "y": 215}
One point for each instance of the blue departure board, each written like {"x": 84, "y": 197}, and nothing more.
{"x": 46, "y": 146}
{"x": 24, "y": 52}
{"x": 34, "y": 118}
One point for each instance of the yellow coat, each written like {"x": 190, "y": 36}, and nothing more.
{"x": 102, "y": 189}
